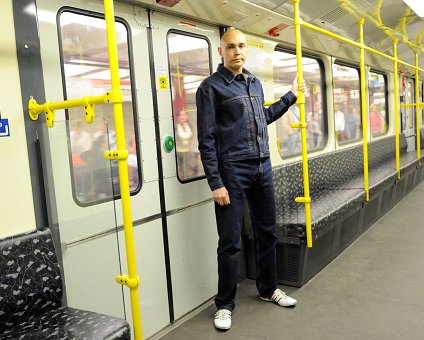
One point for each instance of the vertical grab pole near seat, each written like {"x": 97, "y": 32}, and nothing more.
{"x": 364, "y": 108}
{"x": 417, "y": 107}
{"x": 395, "y": 71}
{"x": 131, "y": 280}
{"x": 302, "y": 125}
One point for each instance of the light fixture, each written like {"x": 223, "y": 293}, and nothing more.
{"x": 417, "y": 6}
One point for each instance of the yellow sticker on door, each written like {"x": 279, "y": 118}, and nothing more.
{"x": 163, "y": 83}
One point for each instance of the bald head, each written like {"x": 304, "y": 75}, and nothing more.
{"x": 232, "y": 49}
{"x": 231, "y": 34}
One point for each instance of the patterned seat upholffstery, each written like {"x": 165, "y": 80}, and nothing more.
{"x": 336, "y": 184}
{"x": 70, "y": 323}
{"x": 31, "y": 294}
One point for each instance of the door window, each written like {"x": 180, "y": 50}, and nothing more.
{"x": 85, "y": 66}
{"x": 189, "y": 64}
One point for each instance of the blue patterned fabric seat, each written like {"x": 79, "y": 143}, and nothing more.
{"x": 336, "y": 185}
{"x": 31, "y": 296}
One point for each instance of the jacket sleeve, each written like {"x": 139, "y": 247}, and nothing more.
{"x": 206, "y": 134}
{"x": 276, "y": 110}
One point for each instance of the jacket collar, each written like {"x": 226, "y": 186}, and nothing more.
{"x": 230, "y": 76}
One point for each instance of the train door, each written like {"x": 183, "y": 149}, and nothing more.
{"x": 408, "y": 112}
{"x": 184, "y": 53}
{"x": 83, "y": 186}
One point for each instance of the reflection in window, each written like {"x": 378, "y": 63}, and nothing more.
{"x": 86, "y": 71}
{"x": 189, "y": 65}
{"x": 347, "y": 112}
{"x": 288, "y": 138}
{"x": 377, "y": 104}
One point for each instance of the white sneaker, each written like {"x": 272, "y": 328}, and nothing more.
{"x": 280, "y": 298}
{"x": 222, "y": 319}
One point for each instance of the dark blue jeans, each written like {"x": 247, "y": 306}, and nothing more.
{"x": 251, "y": 179}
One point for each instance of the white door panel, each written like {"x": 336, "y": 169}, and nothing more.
{"x": 193, "y": 257}
{"x": 191, "y": 225}
{"x": 152, "y": 289}
{"x": 178, "y": 194}
{"x": 88, "y": 232}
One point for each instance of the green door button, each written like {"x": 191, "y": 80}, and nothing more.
{"x": 169, "y": 143}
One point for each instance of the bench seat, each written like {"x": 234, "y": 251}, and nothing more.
{"x": 336, "y": 185}
{"x": 31, "y": 296}
{"x": 339, "y": 209}
{"x": 69, "y": 323}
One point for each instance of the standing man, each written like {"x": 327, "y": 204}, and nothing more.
{"x": 233, "y": 143}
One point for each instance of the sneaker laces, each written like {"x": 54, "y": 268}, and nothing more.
{"x": 223, "y": 314}
{"x": 278, "y": 295}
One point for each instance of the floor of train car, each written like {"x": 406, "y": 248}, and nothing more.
{"x": 373, "y": 290}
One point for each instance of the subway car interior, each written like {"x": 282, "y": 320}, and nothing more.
{"x": 108, "y": 227}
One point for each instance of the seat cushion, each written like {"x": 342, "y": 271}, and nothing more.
{"x": 30, "y": 282}
{"x": 70, "y": 323}
{"x": 326, "y": 207}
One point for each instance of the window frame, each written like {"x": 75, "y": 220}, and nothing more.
{"x": 336, "y": 61}
{"x": 386, "y": 102}
{"x": 97, "y": 15}
{"x": 324, "y": 104}
{"x": 192, "y": 35}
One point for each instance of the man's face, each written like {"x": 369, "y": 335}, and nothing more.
{"x": 233, "y": 50}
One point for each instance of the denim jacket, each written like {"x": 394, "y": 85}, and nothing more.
{"x": 232, "y": 120}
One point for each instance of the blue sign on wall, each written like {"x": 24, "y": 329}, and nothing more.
{"x": 4, "y": 128}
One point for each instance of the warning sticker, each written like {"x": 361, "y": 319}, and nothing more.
{"x": 163, "y": 83}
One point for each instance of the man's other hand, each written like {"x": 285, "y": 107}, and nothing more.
{"x": 221, "y": 196}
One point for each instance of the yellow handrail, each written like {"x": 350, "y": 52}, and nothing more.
{"x": 271, "y": 102}
{"x": 88, "y": 102}
{"x": 113, "y": 97}
{"x": 396, "y": 81}
{"x": 364, "y": 108}
{"x": 412, "y": 105}
{"x": 417, "y": 106}
{"x": 302, "y": 125}
{"x": 354, "y": 43}
{"x": 131, "y": 280}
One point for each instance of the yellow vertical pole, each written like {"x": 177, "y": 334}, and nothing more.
{"x": 417, "y": 107}
{"x": 301, "y": 101}
{"x": 364, "y": 108}
{"x": 132, "y": 280}
{"x": 396, "y": 80}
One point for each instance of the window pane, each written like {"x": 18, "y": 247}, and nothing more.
{"x": 347, "y": 113}
{"x": 86, "y": 71}
{"x": 189, "y": 65}
{"x": 285, "y": 70}
{"x": 377, "y": 100}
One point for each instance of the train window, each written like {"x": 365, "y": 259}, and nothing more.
{"x": 377, "y": 88}
{"x": 347, "y": 109}
{"x": 85, "y": 65}
{"x": 288, "y": 138}
{"x": 189, "y": 64}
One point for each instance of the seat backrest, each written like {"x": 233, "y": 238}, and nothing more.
{"x": 330, "y": 170}
{"x": 384, "y": 149}
{"x": 30, "y": 278}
